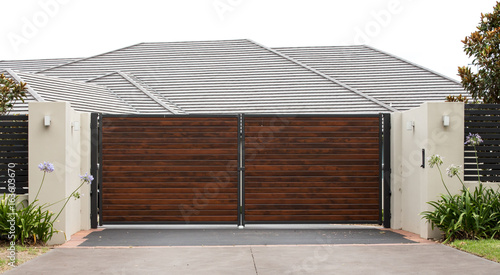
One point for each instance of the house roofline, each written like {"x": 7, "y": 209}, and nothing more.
{"x": 356, "y": 91}
{"x": 33, "y": 93}
{"x": 414, "y": 64}
{"x": 78, "y": 60}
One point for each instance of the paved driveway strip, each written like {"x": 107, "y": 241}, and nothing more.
{"x": 228, "y": 237}
{"x": 263, "y": 250}
{"x": 261, "y": 260}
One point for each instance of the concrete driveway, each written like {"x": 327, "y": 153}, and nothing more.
{"x": 300, "y": 250}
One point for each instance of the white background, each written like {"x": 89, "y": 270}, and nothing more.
{"x": 427, "y": 32}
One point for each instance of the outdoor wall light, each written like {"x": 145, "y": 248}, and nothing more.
{"x": 75, "y": 125}
{"x": 410, "y": 125}
{"x": 446, "y": 121}
{"x": 46, "y": 121}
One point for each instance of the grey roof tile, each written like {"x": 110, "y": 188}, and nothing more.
{"x": 390, "y": 79}
{"x": 83, "y": 97}
{"x": 34, "y": 65}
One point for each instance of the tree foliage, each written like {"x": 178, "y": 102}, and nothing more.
{"x": 483, "y": 46}
{"x": 10, "y": 92}
{"x": 459, "y": 98}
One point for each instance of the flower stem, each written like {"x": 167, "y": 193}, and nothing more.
{"x": 477, "y": 165}
{"x": 40, "y": 188}
{"x": 60, "y": 211}
{"x": 442, "y": 180}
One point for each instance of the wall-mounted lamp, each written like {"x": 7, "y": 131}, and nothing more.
{"x": 410, "y": 125}
{"x": 75, "y": 125}
{"x": 46, "y": 121}
{"x": 446, "y": 121}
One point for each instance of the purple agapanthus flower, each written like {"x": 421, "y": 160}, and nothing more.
{"x": 87, "y": 178}
{"x": 46, "y": 167}
{"x": 473, "y": 139}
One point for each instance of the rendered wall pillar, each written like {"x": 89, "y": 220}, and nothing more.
{"x": 396, "y": 191}
{"x": 61, "y": 144}
{"x": 422, "y": 128}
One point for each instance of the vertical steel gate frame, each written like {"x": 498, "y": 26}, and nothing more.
{"x": 94, "y": 169}
{"x": 385, "y": 168}
{"x": 241, "y": 170}
{"x": 386, "y": 171}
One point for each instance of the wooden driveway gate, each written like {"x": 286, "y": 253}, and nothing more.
{"x": 170, "y": 169}
{"x": 243, "y": 169}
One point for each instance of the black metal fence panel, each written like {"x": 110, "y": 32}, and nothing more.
{"x": 14, "y": 154}
{"x": 483, "y": 119}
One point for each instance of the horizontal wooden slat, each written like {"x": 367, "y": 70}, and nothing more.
{"x": 193, "y": 173}
{"x": 209, "y": 191}
{"x": 174, "y": 180}
{"x": 314, "y": 129}
{"x": 312, "y": 190}
{"x": 295, "y": 168}
{"x": 171, "y": 195}
{"x": 173, "y": 213}
{"x": 173, "y": 219}
{"x": 311, "y": 218}
{"x": 189, "y": 207}
{"x": 178, "y": 202}
{"x": 310, "y": 178}
{"x": 158, "y": 157}
{"x": 327, "y": 182}
{"x": 311, "y": 212}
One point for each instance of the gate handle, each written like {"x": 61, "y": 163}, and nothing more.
{"x": 423, "y": 158}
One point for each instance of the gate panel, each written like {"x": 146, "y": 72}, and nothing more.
{"x": 170, "y": 169}
{"x": 312, "y": 169}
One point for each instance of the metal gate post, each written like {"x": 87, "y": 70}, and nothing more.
{"x": 241, "y": 170}
{"x": 94, "y": 168}
{"x": 387, "y": 170}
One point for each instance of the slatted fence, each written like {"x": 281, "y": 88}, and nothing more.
{"x": 14, "y": 154}
{"x": 483, "y": 119}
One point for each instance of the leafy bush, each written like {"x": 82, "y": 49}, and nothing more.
{"x": 468, "y": 215}
{"x": 24, "y": 223}
{"x": 32, "y": 222}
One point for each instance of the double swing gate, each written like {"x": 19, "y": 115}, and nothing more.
{"x": 241, "y": 169}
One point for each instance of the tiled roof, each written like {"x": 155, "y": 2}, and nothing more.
{"x": 34, "y": 65}
{"x": 390, "y": 79}
{"x": 83, "y": 97}
{"x": 241, "y": 76}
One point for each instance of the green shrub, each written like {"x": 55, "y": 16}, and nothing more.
{"x": 25, "y": 223}
{"x": 468, "y": 215}
{"x": 32, "y": 222}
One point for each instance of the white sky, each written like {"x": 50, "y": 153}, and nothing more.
{"x": 426, "y": 32}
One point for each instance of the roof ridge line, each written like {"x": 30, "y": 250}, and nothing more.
{"x": 136, "y": 82}
{"x": 85, "y": 58}
{"x": 33, "y": 93}
{"x": 356, "y": 91}
{"x": 413, "y": 64}
{"x": 101, "y": 76}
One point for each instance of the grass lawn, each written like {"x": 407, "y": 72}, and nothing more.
{"x": 23, "y": 254}
{"x": 488, "y": 249}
